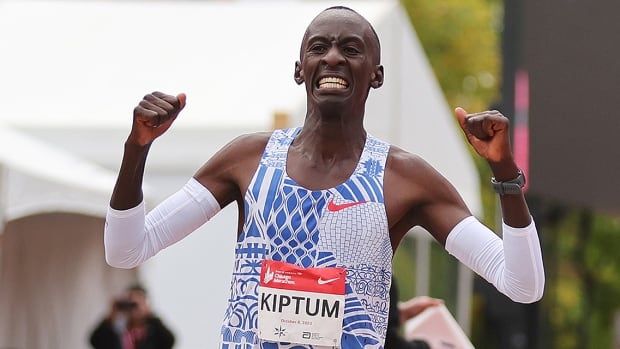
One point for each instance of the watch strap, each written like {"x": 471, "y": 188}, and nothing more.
{"x": 511, "y": 187}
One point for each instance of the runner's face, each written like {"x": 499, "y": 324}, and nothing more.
{"x": 339, "y": 60}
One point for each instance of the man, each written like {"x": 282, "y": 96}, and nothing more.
{"x": 131, "y": 325}
{"x": 324, "y": 201}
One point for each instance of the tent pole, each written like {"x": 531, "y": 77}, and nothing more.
{"x": 463, "y": 297}
{"x": 3, "y": 196}
{"x": 422, "y": 262}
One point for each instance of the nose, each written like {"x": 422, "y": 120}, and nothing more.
{"x": 333, "y": 57}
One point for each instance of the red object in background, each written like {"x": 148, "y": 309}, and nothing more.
{"x": 521, "y": 136}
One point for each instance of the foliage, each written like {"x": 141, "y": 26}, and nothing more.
{"x": 461, "y": 40}
{"x": 582, "y": 295}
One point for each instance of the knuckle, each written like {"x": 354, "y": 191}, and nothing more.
{"x": 474, "y": 119}
{"x": 172, "y": 101}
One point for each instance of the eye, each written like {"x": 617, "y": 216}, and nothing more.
{"x": 350, "y": 50}
{"x": 318, "y": 48}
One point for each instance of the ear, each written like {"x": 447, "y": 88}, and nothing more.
{"x": 376, "y": 78}
{"x": 299, "y": 74}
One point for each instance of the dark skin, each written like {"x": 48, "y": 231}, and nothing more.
{"x": 338, "y": 43}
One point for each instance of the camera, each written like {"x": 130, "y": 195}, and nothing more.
{"x": 125, "y": 305}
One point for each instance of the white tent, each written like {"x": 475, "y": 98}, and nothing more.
{"x": 72, "y": 72}
{"x": 39, "y": 179}
{"x": 53, "y": 279}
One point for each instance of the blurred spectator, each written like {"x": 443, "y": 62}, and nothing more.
{"x": 131, "y": 325}
{"x": 399, "y": 313}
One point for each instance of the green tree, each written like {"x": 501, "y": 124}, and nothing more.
{"x": 461, "y": 40}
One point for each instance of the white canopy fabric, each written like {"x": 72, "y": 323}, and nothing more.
{"x": 54, "y": 283}
{"x": 38, "y": 178}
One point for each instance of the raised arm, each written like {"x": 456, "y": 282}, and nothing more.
{"x": 152, "y": 117}
{"x": 512, "y": 264}
{"x": 488, "y": 133}
{"x": 131, "y": 236}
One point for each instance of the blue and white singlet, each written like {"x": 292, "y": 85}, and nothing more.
{"x": 345, "y": 226}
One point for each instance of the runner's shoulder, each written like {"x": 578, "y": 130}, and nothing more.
{"x": 246, "y": 146}
{"x": 234, "y": 160}
{"x": 408, "y": 166}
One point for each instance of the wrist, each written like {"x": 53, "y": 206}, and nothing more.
{"x": 504, "y": 170}
{"x": 510, "y": 187}
{"x": 139, "y": 139}
{"x": 135, "y": 146}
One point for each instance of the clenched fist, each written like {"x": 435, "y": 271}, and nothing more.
{"x": 488, "y": 133}
{"x": 154, "y": 115}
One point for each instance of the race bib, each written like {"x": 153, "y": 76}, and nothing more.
{"x": 301, "y": 305}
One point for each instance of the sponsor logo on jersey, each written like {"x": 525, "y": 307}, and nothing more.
{"x": 334, "y": 207}
{"x": 322, "y": 281}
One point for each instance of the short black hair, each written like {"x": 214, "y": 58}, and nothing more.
{"x": 345, "y": 8}
{"x": 374, "y": 33}
{"x": 137, "y": 288}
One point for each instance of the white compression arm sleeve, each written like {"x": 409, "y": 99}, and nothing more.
{"x": 131, "y": 238}
{"x": 514, "y": 266}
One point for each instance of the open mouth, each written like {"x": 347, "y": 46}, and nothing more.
{"x": 332, "y": 82}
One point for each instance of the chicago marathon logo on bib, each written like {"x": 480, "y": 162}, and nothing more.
{"x": 301, "y": 305}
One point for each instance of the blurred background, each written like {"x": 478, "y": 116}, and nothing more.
{"x": 72, "y": 71}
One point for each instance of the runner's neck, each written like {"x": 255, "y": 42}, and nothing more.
{"x": 326, "y": 142}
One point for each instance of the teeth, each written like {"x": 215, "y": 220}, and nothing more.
{"x": 332, "y": 85}
{"x": 332, "y": 82}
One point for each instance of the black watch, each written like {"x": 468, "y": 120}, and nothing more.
{"x": 511, "y": 187}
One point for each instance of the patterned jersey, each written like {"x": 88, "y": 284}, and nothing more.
{"x": 345, "y": 226}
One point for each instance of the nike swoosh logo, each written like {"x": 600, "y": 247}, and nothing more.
{"x": 333, "y": 207}
{"x": 323, "y": 282}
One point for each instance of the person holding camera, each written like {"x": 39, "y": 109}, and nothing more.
{"x": 131, "y": 325}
